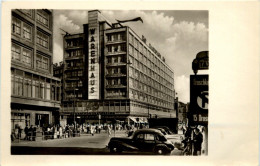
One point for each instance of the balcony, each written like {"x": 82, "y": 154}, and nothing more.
{"x": 74, "y": 67}
{"x": 115, "y": 86}
{"x": 72, "y": 78}
{"x": 116, "y": 64}
{"x": 116, "y": 75}
{"x": 115, "y": 53}
{"x": 115, "y": 42}
{"x": 74, "y": 57}
{"x": 73, "y": 47}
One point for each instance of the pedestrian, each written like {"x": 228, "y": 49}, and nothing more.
{"x": 60, "y": 132}
{"x": 99, "y": 129}
{"x": 30, "y": 132}
{"x": 197, "y": 141}
{"x": 92, "y": 128}
{"x": 109, "y": 130}
{"x": 26, "y": 132}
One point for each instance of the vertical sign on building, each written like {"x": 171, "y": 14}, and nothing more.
{"x": 199, "y": 98}
{"x": 93, "y": 68}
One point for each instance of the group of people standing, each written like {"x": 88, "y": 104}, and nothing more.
{"x": 192, "y": 142}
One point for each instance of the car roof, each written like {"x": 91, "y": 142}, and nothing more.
{"x": 149, "y": 131}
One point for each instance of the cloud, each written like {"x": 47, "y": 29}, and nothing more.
{"x": 182, "y": 87}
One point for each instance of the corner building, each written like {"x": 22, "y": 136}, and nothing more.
{"x": 120, "y": 76}
{"x": 35, "y": 93}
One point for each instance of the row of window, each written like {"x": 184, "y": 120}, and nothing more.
{"x": 116, "y": 59}
{"x": 134, "y": 42}
{"x": 74, "y": 42}
{"x": 116, "y": 37}
{"x": 116, "y": 70}
{"x": 74, "y": 73}
{"x": 116, "y": 81}
{"x": 116, "y": 48}
{"x": 74, "y": 53}
{"x": 73, "y": 84}
{"x": 150, "y": 78}
{"x": 42, "y": 17}
{"x": 147, "y": 98}
{"x": 150, "y": 61}
{"x": 75, "y": 63}
{"x": 24, "y": 56}
{"x": 152, "y": 89}
{"x": 116, "y": 93}
{"x": 72, "y": 95}
{"x": 27, "y": 87}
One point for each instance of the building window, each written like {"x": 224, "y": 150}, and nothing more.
{"x": 27, "y": 31}
{"x": 16, "y": 52}
{"x": 115, "y": 59}
{"x": 123, "y": 48}
{"x": 26, "y": 57}
{"x": 122, "y": 36}
{"x": 21, "y": 28}
{"x": 109, "y": 38}
{"x": 42, "y": 40}
{"x": 43, "y": 17}
{"x": 80, "y": 73}
{"x": 27, "y": 11}
{"x": 42, "y": 62}
{"x": 109, "y": 48}
{"x": 109, "y": 59}
{"x": 16, "y": 26}
{"x": 115, "y": 37}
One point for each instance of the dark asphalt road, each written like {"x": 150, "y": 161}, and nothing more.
{"x": 83, "y": 145}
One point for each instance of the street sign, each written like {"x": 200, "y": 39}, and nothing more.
{"x": 201, "y": 62}
{"x": 199, "y": 98}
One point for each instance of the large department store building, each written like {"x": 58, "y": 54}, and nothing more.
{"x": 35, "y": 93}
{"x": 110, "y": 73}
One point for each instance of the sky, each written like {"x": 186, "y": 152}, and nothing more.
{"x": 178, "y": 35}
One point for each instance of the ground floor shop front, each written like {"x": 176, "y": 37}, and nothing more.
{"x": 108, "y": 111}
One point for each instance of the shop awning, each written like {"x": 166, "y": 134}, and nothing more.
{"x": 138, "y": 119}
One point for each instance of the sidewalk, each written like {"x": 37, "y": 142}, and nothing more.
{"x": 85, "y": 140}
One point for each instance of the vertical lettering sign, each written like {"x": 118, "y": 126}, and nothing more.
{"x": 199, "y": 98}
{"x": 93, "y": 68}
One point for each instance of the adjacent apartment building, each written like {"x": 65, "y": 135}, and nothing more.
{"x": 35, "y": 93}
{"x": 110, "y": 73}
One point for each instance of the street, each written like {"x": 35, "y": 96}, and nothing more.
{"x": 86, "y": 144}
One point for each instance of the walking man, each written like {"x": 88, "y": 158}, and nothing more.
{"x": 197, "y": 140}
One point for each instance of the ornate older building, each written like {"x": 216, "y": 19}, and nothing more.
{"x": 110, "y": 73}
{"x": 35, "y": 93}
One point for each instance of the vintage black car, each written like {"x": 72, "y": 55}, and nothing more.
{"x": 143, "y": 140}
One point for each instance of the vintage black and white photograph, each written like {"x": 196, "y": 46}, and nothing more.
{"x": 129, "y": 83}
{"x": 109, "y": 82}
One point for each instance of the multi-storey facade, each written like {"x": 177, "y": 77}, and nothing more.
{"x": 35, "y": 93}
{"x": 123, "y": 77}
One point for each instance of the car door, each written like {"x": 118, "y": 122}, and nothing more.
{"x": 149, "y": 141}
{"x": 139, "y": 141}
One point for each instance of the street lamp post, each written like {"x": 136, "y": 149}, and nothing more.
{"x": 74, "y": 112}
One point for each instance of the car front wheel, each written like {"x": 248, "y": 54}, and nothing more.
{"x": 115, "y": 150}
{"x": 161, "y": 150}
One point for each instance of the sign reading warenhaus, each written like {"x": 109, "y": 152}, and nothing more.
{"x": 93, "y": 89}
